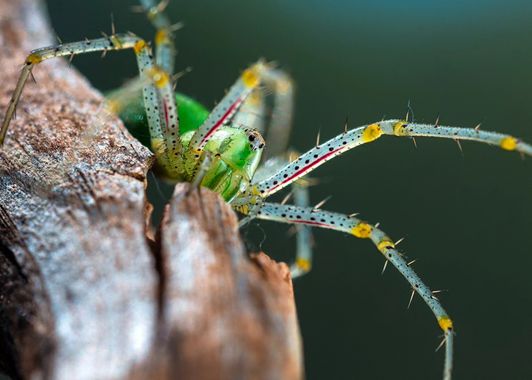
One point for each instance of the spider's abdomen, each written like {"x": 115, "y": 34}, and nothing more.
{"x": 191, "y": 115}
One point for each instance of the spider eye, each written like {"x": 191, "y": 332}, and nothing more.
{"x": 251, "y": 138}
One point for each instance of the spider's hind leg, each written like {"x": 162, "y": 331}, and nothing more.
{"x": 304, "y": 238}
{"x": 274, "y": 123}
{"x": 361, "y": 229}
{"x": 300, "y": 194}
{"x": 164, "y": 38}
{"x": 245, "y": 96}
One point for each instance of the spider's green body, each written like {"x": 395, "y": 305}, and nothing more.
{"x": 191, "y": 115}
{"x": 222, "y": 149}
{"x": 236, "y": 158}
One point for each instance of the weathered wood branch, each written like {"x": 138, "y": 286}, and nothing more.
{"x": 84, "y": 294}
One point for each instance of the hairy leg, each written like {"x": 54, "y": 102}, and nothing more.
{"x": 361, "y": 229}
{"x": 164, "y": 38}
{"x": 368, "y": 133}
{"x": 158, "y": 95}
{"x": 253, "y": 112}
{"x": 300, "y": 193}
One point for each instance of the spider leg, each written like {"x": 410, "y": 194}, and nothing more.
{"x": 303, "y": 261}
{"x": 164, "y": 38}
{"x": 368, "y": 133}
{"x": 227, "y": 108}
{"x": 157, "y": 90}
{"x": 361, "y": 229}
{"x": 224, "y": 111}
{"x": 253, "y": 112}
{"x": 300, "y": 194}
{"x": 278, "y": 132}
{"x": 203, "y": 165}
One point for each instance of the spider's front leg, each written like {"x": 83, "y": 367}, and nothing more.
{"x": 252, "y": 203}
{"x": 158, "y": 94}
{"x": 339, "y": 222}
{"x": 348, "y": 140}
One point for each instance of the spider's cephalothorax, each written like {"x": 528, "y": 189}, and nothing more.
{"x": 223, "y": 149}
{"x": 233, "y": 155}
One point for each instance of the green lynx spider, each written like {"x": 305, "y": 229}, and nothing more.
{"x": 222, "y": 150}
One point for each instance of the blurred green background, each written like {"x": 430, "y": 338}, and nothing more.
{"x": 466, "y": 217}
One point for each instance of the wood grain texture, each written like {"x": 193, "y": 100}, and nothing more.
{"x": 84, "y": 294}
{"x": 254, "y": 316}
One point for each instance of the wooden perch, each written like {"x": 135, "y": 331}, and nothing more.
{"x": 84, "y": 294}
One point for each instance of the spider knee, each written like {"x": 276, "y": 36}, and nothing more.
{"x": 251, "y": 77}
{"x": 446, "y": 324}
{"x": 162, "y": 37}
{"x": 139, "y": 46}
{"x": 371, "y": 132}
{"x": 508, "y": 143}
{"x": 362, "y": 230}
{"x": 300, "y": 267}
{"x": 399, "y": 128}
{"x": 159, "y": 77}
{"x": 33, "y": 59}
{"x": 385, "y": 244}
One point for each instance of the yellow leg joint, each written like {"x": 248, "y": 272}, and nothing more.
{"x": 385, "y": 245}
{"x": 509, "y": 143}
{"x": 371, "y": 133}
{"x": 139, "y": 45}
{"x": 161, "y": 37}
{"x": 445, "y": 323}
{"x": 362, "y": 230}
{"x": 303, "y": 264}
{"x": 159, "y": 77}
{"x": 33, "y": 59}
{"x": 399, "y": 128}
{"x": 250, "y": 77}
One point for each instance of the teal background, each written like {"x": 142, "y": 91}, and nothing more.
{"x": 466, "y": 217}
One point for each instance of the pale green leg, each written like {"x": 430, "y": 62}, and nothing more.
{"x": 348, "y": 140}
{"x": 158, "y": 94}
{"x": 165, "y": 51}
{"x": 361, "y": 229}
{"x": 300, "y": 193}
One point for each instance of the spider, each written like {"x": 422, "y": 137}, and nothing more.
{"x": 224, "y": 149}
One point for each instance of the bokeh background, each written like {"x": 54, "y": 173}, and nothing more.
{"x": 467, "y": 217}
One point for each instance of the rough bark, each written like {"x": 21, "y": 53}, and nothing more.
{"x": 84, "y": 293}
